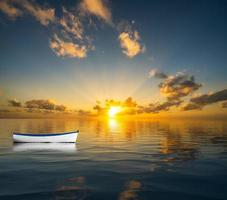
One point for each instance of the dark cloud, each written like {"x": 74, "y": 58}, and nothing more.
{"x": 14, "y": 103}
{"x": 178, "y": 86}
{"x": 175, "y": 87}
{"x": 44, "y": 104}
{"x": 206, "y": 99}
{"x": 129, "y": 102}
{"x": 41, "y": 104}
{"x": 84, "y": 112}
{"x": 158, "y": 107}
{"x": 191, "y": 106}
{"x": 210, "y": 98}
{"x": 61, "y": 108}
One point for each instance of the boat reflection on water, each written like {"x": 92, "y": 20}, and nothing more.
{"x": 58, "y": 147}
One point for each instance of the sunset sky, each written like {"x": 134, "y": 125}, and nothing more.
{"x": 171, "y": 54}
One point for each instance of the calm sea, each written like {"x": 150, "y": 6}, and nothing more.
{"x": 116, "y": 159}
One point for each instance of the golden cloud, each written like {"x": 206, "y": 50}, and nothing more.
{"x": 97, "y": 8}
{"x": 43, "y": 15}
{"x": 130, "y": 45}
{"x": 13, "y": 8}
{"x": 129, "y": 106}
{"x": 70, "y": 49}
{"x": 9, "y": 9}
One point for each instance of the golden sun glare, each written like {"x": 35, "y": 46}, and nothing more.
{"x": 114, "y": 110}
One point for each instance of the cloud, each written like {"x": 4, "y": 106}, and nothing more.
{"x": 44, "y": 104}
{"x": 60, "y": 108}
{"x": 14, "y": 103}
{"x": 206, "y": 99}
{"x": 9, "y": 9}
{"x": 98, "y": 8}
{"x": 158, "y": 107}
{"x": 191, "y": 106}
{"x": 72, "y": 24}
{"x": 129, "y": 102}
{"x": 84, "y": 113}
{"x": 178, "y": 86}
{"x": 174, "y": 88}
{"x": 69, "y": 49}
{"x": 40, "y": 104}
{"x": 15, "y": 8}
{"x": 157, "y": 74}
{"x": 42, "y": 14}
{"x": 129, "y": 106}
{"x": 71, "y": 40}
{"x": 130, "y": 44}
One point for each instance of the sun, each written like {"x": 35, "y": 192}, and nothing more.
{"x": 114, "y": 110}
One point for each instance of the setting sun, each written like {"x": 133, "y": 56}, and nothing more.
{"x": 114, "y": 110}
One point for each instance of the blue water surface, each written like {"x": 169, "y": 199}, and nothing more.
{"x": 116, "y": 159}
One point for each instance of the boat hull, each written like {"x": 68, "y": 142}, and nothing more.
{"x": 70, "y": 137}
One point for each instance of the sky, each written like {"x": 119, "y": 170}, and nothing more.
{"x": 160, "y": 53}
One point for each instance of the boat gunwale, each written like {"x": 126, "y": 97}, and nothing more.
{"x": 44, "y": 134}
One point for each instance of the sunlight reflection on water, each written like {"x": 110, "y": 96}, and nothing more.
{"x": 121, "y": 159}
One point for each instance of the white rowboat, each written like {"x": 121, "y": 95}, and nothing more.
{"x": 56, "y": 137}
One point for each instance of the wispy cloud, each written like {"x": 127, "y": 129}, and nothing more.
{"x": 69, "y": 36}
{"x": 42, "y": 14}
{"x": 157, "y": 74}
{"x": 15, "y": 8}
{"x": 206, "y": 99}
{"x": 68, "y": 48}
{"x": 72, "y": 24}
{"x": 98, "y": 8}
{"x": 7, "y": 7}
{"x": 71, "y": 39}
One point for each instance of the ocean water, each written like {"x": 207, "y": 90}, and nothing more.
{"x": 116, "y": 159}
